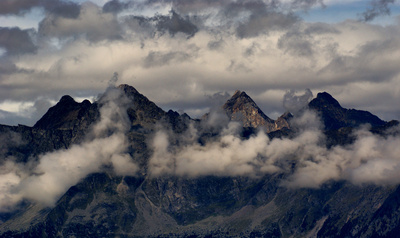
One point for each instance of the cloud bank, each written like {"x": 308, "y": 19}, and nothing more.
{"x": 46, "y": 180}
{"x": 371, "y": 159}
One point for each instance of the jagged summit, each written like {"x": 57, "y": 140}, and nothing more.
{"x": 128, "y": 89}
{"x": 141, "y": 111}
{"x": 335, "y": 116}
{"x": 66, "y": 114}
{"x": 240, "y": 107}
{"x": 326, "y": 99}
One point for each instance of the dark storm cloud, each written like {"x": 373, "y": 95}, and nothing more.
{"x": 187, "y": 6}
{"x": 16, "y": 41}
{"x": 19, "y": 7}
{"x": 321, "y": 28}
{"x": 172, "y": 24}
{"x": 250, "y": 18}
{"x": 175, "y": 24}
{"x": 115, "y": 6}
{"x": 263, "y": 23}
{"x": 142, "y": 26}
{"x": 63, "y": 9}
{"x": 7, "y": 67}
{"x": 297, "y": 44}
{"x": 376, "y": 8}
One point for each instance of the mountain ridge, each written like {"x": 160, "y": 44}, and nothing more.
{"x": 105, "y": 204}
{"x": 334, "y": 116}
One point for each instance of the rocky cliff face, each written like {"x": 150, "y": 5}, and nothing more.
{"x": 240, "y": 107}
{"x": 335, "y": 116}
{"x": 105, "y": 204}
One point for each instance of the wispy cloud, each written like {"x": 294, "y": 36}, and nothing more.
{"x": 55, "y": 172}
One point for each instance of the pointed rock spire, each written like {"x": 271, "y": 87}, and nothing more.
{"x": 240, "y": 107}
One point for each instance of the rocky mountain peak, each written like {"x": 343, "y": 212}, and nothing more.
{"x": 239, "y": 99}
{"x": 240, "y": 107}
{"x": 325, "y": 99}
{"x": 66, "y": 99}
{"x": 64, "y": 115}
{"x": 335, "y": 116}
{"x": 141, "y": 111}
{"x": 129, "y": 90}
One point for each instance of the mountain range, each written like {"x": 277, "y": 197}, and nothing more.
{"x": 140, "y": 171}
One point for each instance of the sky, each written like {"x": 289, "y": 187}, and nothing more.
{"x": 181, "y": 53}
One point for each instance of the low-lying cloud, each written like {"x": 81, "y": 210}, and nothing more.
{"x": 54, "y": 173}
{"x": 215, "y": 147}
{"x": 371, "y": 159}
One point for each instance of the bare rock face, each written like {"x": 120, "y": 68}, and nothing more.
{"x": 68, "y": 114}
{"x": 141, "y": 110}
{"x": 335, "y": 116}
{"x": 243, "y": 109}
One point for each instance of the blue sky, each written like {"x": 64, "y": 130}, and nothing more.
{"x": 337, "y": 11}
{"x": 181, "y": 53}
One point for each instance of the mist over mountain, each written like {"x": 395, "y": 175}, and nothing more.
{"x": 123, "y": 167}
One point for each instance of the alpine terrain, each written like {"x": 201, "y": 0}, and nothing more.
{"x": 123, "y": 167}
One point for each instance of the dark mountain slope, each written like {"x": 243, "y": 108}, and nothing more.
{"x": 106, "y": 205}
{"x": 67, "y": 114}
{"x": 335, "y": 116}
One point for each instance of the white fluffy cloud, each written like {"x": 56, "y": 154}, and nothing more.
{"x": 371, "y": 159}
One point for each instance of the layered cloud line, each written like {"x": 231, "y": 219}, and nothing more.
{"x": 303, "y": 158}
{"x": 192, "y": 49}
{"x": 46, "y": 180}
{"x": 371, "y": 159}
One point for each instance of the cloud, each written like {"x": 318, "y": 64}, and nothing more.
{"x": 295, "y": 103}
{"x": 16, "y": 41}
{"x": 115, "y": 6}
{"x": 58, "y": 171}
{"x": 304, "y": 158}
{"x": 261, "y": 47}
{"x": 55, "y": 172}
{"x": 175, "y": 24}
{"x": 62, "y": 8}
{"x": 307, "y": 4}
{"x": 376, "y": 8}
{"x": 297, "y": 44}
{"x": 157, "y": 59}
{"x": 264, "y": 23}
{"x": 91, "y": 23}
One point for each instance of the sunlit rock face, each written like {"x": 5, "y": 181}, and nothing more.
{"x": 243, "y": 109}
